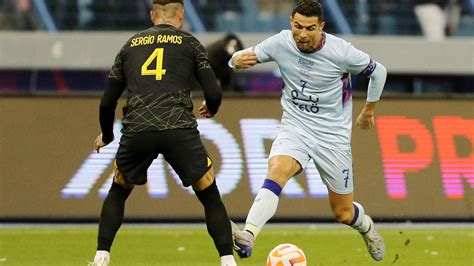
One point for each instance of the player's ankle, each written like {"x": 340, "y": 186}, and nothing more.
{"x": 252, "y": 229}
{"x": 250, "y": 232}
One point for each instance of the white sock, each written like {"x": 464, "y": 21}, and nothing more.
{"x": 102, "y": 253}
{"x": 263, "y": 208}
{"x": 228, "y": 260}
{"x": 361, "y": 222}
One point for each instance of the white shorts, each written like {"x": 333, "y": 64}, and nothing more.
{"x": 334, "y": 166}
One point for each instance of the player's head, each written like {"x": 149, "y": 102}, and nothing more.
{"x": 168, "y": 12}
{"x": 307, "y": 23}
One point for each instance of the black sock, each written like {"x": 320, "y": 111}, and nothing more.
{"x": 217, "y": 221}
{"x": 111, "y": 216}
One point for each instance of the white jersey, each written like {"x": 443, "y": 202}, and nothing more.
{"x": 317, "y": 98}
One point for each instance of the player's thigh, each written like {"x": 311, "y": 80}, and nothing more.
{"x": 187, "y": 155}
{"x": 135, "y": 155}
{"x": 120, "y": 179}
{"x": 288, "y": 156}
{"x": 335, "y": 168}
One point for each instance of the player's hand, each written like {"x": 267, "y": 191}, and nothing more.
{"x": 99, "y": 143}
{"x": 244, "y": 60}
{"x": 365, "y": 120}
{"x": 204, "y": 112}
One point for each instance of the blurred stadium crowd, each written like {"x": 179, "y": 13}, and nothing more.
{"x": 435, "y": 20}
{"x": 386, "y": 17}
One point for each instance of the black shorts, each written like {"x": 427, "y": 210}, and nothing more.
{"x": 181, "y": 148}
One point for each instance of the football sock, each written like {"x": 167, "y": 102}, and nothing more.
{"x": 263, "y": 207}
{"x": 102, "y": 253}
{"x": 217, "y": 221}
{"x": 111, "y": 216}
{"x": 228, "y": 260}
{"x": 360, "y": 222}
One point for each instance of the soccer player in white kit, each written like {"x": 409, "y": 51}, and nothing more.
{"x": 316, "y": 122}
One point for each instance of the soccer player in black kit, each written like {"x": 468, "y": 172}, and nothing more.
{"x": 157, "y": 67}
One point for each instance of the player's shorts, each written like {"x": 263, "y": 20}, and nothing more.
{"x": 334, "y": 166}
{"x": 181, "y": 148}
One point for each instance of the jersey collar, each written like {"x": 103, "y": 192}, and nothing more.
{"x": 164, "y": 25}
{"x": 320, "y": 46}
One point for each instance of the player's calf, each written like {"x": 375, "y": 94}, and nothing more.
{"x": 217, "y": 221}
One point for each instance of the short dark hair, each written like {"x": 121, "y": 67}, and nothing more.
{"x": 309, "y": 8}
{"x": 165, "y": 2}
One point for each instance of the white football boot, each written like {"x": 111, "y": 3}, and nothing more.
{"x": 374, "y": 242}
{"x": 243, "y": 241}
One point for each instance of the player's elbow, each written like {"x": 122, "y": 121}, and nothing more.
{"x": 378, "y": 76}
{"x": 107, "y": 105}
{"x": 381, "y": 71}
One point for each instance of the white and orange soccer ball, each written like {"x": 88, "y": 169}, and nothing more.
{"x": 286, "y": 255}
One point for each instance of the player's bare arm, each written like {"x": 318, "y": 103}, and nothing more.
{"x": 246, "y": 59}
{"x": 365, "y": 120}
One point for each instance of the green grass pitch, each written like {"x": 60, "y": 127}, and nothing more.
{"x": 178, "y": 245}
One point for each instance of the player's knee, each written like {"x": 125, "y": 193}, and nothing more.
{"x": 282, "y": 168}
{"x": 278, "y": 174}
{"x": 205, "y": 181}
{"x": 343, "y": 215}
{"x": 209, "y": 175}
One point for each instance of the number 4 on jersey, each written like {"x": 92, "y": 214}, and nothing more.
{"x": 158, "y": 72}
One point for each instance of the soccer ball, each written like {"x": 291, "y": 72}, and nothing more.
{"x": 286, "y": 255}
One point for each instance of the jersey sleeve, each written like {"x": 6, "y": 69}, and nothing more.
{"x": 266, "y": 50}
{"x": 108, "y": 103}
{"x": 114, "y": 88}
{"x": 117, "y": 68}
{"x": 356, "y": 61}
{"x": 206, "y": 78}
{"x": 202, "y": 58}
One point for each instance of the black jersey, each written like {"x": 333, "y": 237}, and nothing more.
{"x": 158, "y": 66}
